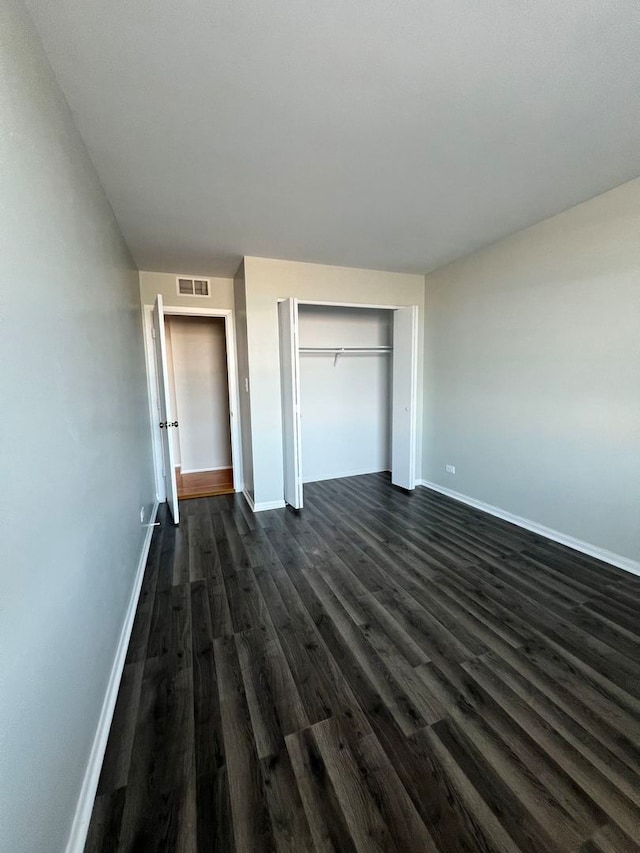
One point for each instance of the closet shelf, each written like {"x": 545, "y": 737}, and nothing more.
{"x": 345, "y": 350}
{"x": 338, "y": 351}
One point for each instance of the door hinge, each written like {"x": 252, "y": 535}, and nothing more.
{"x": 153, "y": 333}
{"x": 164, "y": 473}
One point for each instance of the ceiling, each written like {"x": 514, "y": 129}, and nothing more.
{"x": 387, "y": 134}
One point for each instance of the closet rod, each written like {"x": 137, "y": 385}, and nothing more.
{"x": 345, "y": 349}
{"x": 338, "y": 351}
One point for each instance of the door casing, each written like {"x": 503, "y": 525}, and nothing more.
{"x": 152, "y": 389}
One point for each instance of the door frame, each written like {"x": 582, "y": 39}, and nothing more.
{"x": 406, "y": 393}
{"x": 416, "y": 355}
{"x": 152, "y": 388}
{"x": 290, "y": 400}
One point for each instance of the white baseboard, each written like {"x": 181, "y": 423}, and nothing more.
{"x": 84, "y": 808}
{"x": 261, "y": 506}
{"x": 345, "y": 474}
{"x": 610, "y": 557}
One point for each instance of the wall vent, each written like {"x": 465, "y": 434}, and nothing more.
{"x": 192, "y": 286}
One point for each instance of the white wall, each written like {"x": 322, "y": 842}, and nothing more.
{"x": 346, "y": 406}
{"x": 75, "y": 451}
{"x": 199, "y": 372}
{"x": 267, "y": 281}
{"x": 532, "y": 373}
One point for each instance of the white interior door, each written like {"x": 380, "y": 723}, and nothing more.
{"x": 405, "y": 397}
{"x": 290, "y": 381}
{"x": 166, "y": 415}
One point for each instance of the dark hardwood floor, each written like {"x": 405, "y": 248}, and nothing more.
{"x": 381, "y": 672}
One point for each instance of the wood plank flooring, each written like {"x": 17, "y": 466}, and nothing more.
{"x": 201, "y": 484}
{"x": 380, "y": 672}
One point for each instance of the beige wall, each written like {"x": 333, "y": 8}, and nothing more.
{"x": 75, "y": 464}
{"x": 532, "y": 373}
{"x": 270, "y": 280}
{"x": 152, "y": 283}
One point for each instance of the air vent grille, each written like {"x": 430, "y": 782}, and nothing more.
{"x": 192, "y": 286}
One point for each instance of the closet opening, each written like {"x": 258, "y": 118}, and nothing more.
{"x": 345, "y": 391}
{"x": 198, "y": 387}
{"x": 349, "y": 393}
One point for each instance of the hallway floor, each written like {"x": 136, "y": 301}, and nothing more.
{"x": 380, "y": 672}
{"x": 200, "y": 484}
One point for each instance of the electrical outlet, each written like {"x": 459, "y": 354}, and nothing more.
{"x": 451, "y": 469}
{"x": 141, "y": 515}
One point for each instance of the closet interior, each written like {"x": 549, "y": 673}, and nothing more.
{"x": 199, "y": 395}
{"x": 349, "y": 393}
{"x": 345, "y": 391}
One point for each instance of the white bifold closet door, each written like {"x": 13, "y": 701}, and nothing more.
{"x": 290, "y": 379}
{"x": 166, "y": 415}
{"x": 404, "y": 410}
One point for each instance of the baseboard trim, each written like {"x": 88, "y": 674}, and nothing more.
{"x": 346, "y": 474}
{"x": 261, "y": 506}
{"x": 626, "y": 563}
{"x": 84, "y": 808}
